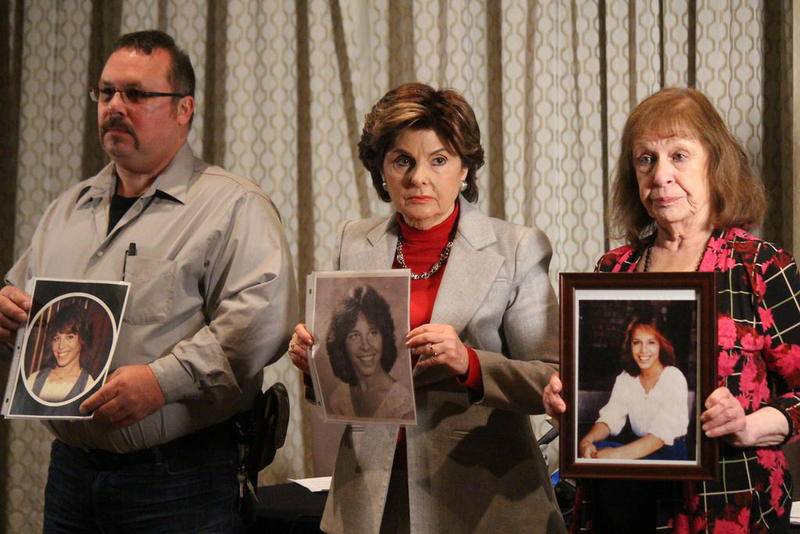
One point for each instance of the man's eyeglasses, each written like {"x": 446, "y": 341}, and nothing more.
{"x": 130, "y": 95}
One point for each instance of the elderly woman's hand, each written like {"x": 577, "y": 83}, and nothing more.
{"x": 438, "y": 344}
{"x": 299, "y": 347}
{"x": 554, "y": 405}
{"x": 724, "y": 416}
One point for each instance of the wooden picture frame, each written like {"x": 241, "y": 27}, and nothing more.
{"x": 601, "y": 315}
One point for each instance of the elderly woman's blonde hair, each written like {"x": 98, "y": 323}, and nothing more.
{"x": 737, "y": 194}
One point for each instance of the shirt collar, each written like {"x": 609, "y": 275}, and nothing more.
{"x": 171, "y": 184}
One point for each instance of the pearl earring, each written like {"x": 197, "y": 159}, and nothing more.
{"x": 464, "y": 186}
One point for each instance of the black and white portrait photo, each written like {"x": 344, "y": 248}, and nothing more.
{"x": 65, "y": 351}
{"x": 362, "y": 367}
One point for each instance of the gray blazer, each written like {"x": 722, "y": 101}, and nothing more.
{"x": 473, "y": 463}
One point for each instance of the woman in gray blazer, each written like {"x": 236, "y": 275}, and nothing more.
{"x": 483, "y": 338}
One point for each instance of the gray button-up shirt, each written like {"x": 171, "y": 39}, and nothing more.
{"x": 212, "y": 299}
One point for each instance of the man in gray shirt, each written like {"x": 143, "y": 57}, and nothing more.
{"x": 212, "y": 301}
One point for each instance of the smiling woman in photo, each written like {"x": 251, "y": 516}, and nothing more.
{"x": 62, "y": 377}
{"x": 362, "y": 349}
{"x": 650, "y": 393}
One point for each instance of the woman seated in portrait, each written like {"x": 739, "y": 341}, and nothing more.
{"x": 62, "y": 377}
{"x": 362, "y": 349}
{"x": 651, "y": 393}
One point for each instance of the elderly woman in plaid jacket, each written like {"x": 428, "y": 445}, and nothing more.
{"x": 684, "y": 198}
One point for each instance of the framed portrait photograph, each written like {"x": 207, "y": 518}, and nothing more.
{"x": 63, "y": 353}
{"x": 360, "y": 366}
{"x": 638, "y": 359}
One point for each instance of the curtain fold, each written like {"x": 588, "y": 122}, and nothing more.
{"x": 12, "y": 22}
{"x": 283, "y": 87}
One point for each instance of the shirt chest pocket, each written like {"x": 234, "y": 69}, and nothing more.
{"x": 152, "y": 289}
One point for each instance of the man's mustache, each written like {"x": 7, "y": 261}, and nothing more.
{"x": 115, "y": 122}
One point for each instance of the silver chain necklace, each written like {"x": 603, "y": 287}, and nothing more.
{"x": 401, "y": 260}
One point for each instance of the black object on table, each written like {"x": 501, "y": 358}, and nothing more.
{"x": 288, "y": 508}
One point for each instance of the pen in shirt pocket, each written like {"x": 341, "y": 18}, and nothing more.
{"x": 131, "y": 251}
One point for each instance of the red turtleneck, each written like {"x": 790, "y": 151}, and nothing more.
{"x": 421, "y": 249}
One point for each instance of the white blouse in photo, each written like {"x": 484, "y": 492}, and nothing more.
{"x": 663, "y": 412}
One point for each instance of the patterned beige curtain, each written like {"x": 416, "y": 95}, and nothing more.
{"x": 283, "y": 87}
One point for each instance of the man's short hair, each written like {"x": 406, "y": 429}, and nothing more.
{"x": 181, "y": 73}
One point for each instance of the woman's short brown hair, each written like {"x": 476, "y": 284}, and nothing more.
{"x": 737, "y": 194}
{"x": 418, "y": 106}
{"x": 70, "y": 318}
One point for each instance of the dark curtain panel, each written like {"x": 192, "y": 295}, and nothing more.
{"x": 11, "y": 21}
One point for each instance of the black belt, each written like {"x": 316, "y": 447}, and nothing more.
{"x": 219, "y": 436}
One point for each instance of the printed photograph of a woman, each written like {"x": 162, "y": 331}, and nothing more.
{"x": 651, "y": 394}
{"x": 362, "y": 349}
{"x": 637, "y": 380}
{"x": 70, "y": 344}
{"x": 65, "y": 350}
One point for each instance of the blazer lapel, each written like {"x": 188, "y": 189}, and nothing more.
{"x": 379, "y": 254}
{"x": 471, "y": 270}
